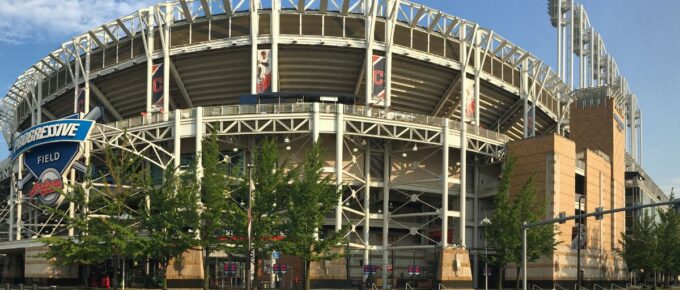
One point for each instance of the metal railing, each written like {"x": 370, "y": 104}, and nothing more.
{"x": 409, "y": 287}
{"x": 597, "y": 286}
{"x": 559, "y": 287}
{"x": 442, "y": 287}
{"x": 613, "y": 286}
{"x": 233, "y": 110}
{"x": 536, "y": 287}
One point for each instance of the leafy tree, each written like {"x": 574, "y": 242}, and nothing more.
{"x": 312, "y": 197}
{"x": 640, "y": 246}
{"x": 110, "y": 229}
{"x": 171, "y": 219}
{"x": 668, "y": 241}
{"x": 504, "y": 234}
{"x": 217, "y": 213}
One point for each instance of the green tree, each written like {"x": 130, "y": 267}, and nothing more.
{"x": 668, "y": 239}
{"x": 640, "y": 247}
{"x": 504, "y": 234}
{"x": 217, "y": 213}
{"x": 171, "y": 219}
{"x": 312, "y": 197}
{"x": 110, "y": 228}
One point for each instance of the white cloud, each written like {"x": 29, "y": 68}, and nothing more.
{"x": 30, "y": 21}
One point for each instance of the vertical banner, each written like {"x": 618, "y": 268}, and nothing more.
{"x": 531, "y": 113}
{"x": 157, "y": 100}
{"x": 378, "y": 97}
{"x": 471, "y": 104}
{"x": 81, "y": 100}
{"x": 264, "y": 71}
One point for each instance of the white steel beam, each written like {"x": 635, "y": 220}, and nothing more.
{"x": 110, "y": 34}
{"x": 122, "y": 26}
{"x": 186, "y": 11}
{"x": 206, "y": 9}
{"x": 180, "y": 83}
{"x": 104, "y": 101}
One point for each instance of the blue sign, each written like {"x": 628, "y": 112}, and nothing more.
{"x": 65, "y": 130}
{"x": 58, "y": 156}
{"x": 276, "y": 255}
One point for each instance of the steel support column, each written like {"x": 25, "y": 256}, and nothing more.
{"x": 19, "y": 196}
{"x": 367, "y": 202}
{"x": 254, "y": 30}
{"x": 387, "y": 151}
{"x": 315, "y": 122}
{"x": 199, "y": 142}
{"x": 166, "y": 60}
{"x": 463, "y": 140}
{"x": 339, "y": 146}
{"x": 149, "y": 60}
{"x": 177, "y": 138}
{"x": 274, "y": 31}
{"x": 445, "y": 183}
{"x": 392, "y": 11}
{"x": 369, "y": 8}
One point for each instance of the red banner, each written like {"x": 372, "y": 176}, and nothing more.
{"x": 378, "y": 80}
{"x": 264, "y": 71}
{"x": 157, "y": 83}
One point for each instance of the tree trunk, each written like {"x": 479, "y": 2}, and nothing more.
{"x": 206, "y": 272}
{"x": 256, "y": 267}
{"x": 517, "y": 278}
{"x": 501, "y": 270}
{"x": 164, "y": 281}
{"x": 307, "y": 280}
{"x": 115, "y": 273}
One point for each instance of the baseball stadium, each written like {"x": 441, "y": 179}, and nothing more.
{"x": 417, "y": 109}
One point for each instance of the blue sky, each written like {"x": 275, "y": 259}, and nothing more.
{"x": 643, "y": 37}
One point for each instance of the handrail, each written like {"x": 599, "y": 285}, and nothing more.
{"x": 536, "y": 287}
{"x": 558, "y": 287}
{"x": 408, "y": 286}
{"x": 374, "y": 287}
{"x": 613, "y": 286}
{"x": 442, "y": 287}
{"x": 596, "y": 286}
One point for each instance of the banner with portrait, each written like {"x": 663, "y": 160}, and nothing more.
{"x": 264, "y": 71}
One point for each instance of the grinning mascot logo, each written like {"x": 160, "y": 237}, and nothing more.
{"x": 49, "y": 150}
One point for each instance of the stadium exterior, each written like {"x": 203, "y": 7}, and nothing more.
{"x": 419, "y": 150}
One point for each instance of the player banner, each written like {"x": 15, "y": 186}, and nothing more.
{"x": 81, "y": 100}
{"x": 471, "y": 104}
{"x": 264, "y": 71}
{"x": 531, "y": 114}
{"x": 378, "y": 80}
{"x": 157, "y": 100}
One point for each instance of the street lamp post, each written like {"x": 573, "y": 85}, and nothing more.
{"x": 578, "y": 245}
{"x": 485, "y": 222}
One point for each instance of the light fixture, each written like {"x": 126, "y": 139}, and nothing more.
{"x": 415, "y": 147}
{"x": 235, "y": 149}
{"x": 355, "y": 150}
{"x": 404, "y": 154}
{"x": 286, "y": 140}
{"x": 287, "y": 148}
{"x": 485, "y": 222}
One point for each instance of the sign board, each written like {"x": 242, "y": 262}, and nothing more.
{"x": 276, "y": 255}
{"x": 284, "y": 268}
{"x": 230, "y": 267}
{"x": 49, "y": 150}
{"x": 411, "y": 269}
{"x": 417, "y": 270}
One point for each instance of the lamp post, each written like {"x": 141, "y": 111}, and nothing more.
{"x": 485, "y": 222}
{"x": 578, "y": 245}
{"x": 251, "y": 188}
